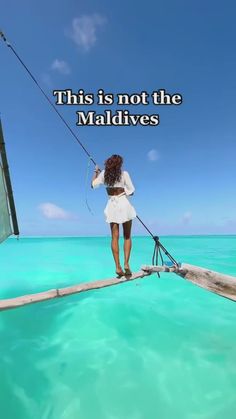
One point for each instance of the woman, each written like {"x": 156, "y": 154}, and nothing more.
{"x": 118, "y": 209}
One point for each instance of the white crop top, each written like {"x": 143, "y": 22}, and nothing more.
{"x": 124, "y": 182}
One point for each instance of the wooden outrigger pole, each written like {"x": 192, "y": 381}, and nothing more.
{"x": 223, "y": 285}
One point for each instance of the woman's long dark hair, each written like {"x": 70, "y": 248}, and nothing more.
{"x": 113, "y": 169}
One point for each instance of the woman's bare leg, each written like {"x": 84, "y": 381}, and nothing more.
{"x": 115, "y": 245}
{"x": 127, "y": 242}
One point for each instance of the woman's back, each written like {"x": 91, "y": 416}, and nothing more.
{"x": 124, "y": 182}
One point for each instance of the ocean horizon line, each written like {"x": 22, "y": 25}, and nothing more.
{"x": 108, "y": 236}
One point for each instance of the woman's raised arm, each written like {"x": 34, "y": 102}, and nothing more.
{"x": 98, "y": 178}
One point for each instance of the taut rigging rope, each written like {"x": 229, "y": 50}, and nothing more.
{"x": 158, "y": 245}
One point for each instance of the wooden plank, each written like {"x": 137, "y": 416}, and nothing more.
{"x": 7, "y": 304}
{"x": 27, "y": 299}
{"x": 100, "y": 284}
{"x": 153, "y": 268}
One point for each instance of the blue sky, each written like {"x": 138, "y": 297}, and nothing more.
{"x": 183, "y": 169}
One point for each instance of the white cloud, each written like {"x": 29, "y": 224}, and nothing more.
{"x": 54, "y": 212}
{"x": 60, "y": 66}
{"x": 187, "y": 217}
{"x": 153, "y": 155}
{"x": 84, "y": 30}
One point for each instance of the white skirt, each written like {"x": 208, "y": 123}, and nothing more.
{"x": 119, "y": 210}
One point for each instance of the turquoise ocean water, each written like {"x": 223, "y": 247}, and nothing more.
{"x": 149, "y": 349}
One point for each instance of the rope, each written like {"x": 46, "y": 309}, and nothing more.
{"x": 86, "y": 187}
{"x": 46, "y": 96}
{"x": 158, "y": 246}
